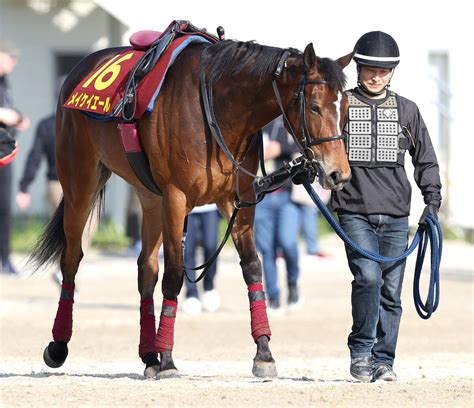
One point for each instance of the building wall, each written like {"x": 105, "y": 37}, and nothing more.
{"x": 39, "y": 36}
{"x": 421, "y": 28}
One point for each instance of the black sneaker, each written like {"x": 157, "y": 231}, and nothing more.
{"x": 273, "y": 306}
{"x": 273, "y": 303}
{"x": 293, "y": 296}
{"x": 362, "y": 368}
{"x": 384, "y": 372}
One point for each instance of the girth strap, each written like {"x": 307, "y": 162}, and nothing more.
{"x": 136, "y": 156}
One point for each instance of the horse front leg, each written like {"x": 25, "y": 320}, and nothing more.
{"x": 174, "y": 211}
{"x": 147, "y": 279}
{"x": 242, "y": 234}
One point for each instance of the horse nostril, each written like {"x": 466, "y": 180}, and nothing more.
{"x": 336, "y": 177}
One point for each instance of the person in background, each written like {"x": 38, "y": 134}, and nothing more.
{"x": 373, "y": 207}
{"x": 11, "y": 121}
{"x": 202, "y": 230}
{"x": 309, "y": 217}
{"x": 43, "y": 147}
{"x": 276, "y": 222}
{"x": 133, "y": 225}
{"x": 8, "y": 148}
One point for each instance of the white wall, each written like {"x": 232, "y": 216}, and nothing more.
{"x": 34, "y": 79}
{"x": 420, "y": 27}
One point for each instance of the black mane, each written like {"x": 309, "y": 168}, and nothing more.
{"x": 232, "y": 57}
{"x": 332, "y": 73}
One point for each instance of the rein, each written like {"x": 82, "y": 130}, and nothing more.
{"x": 262, "y": 185}
{"x": 431, "y": 233}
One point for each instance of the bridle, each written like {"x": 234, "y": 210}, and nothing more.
{"x": 267, "y": 183}
{"x": 306, "y": 139}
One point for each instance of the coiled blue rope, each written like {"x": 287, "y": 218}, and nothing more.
{"x": 432, "y": 233}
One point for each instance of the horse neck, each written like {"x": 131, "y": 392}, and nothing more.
{"x": 258, "y": 105}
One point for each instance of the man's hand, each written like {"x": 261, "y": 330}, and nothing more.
{"x": 23, "y": 200}
{"x": 23, "y": 124}
{"x": 272, "y": 150}
{"x": 430, "y": 209}
{"x": 9, "y": 117}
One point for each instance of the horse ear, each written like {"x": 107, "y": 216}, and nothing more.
{"x": 309, "y": 56}
{"x": 344, "y": 61}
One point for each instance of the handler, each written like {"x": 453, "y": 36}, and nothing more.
{"x": 373, "y": 207}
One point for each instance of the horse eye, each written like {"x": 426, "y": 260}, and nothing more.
{"x": 315, "y": 108}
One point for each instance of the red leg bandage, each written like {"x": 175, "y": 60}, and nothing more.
{"x": 165, "y": 334}
{"x": 147, "y": 328}
{"x": 62, "y": 329}
{"x": 258, "y": 311}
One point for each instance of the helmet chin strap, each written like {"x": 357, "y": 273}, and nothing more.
{"x": 369, "y": 92}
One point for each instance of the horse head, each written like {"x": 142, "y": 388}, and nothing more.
{"x": 315, "y": 112}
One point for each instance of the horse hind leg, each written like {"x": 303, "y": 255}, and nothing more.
{"x": 73, "y": 211}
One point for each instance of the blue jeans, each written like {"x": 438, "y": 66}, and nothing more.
{"x": 276, "y": 227}
{"x": 377, "y": 287}
{"x": 309, "y": 227}
{"x": 202, "y": 230}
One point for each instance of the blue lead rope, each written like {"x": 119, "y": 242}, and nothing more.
{"x": 432, "y": 233}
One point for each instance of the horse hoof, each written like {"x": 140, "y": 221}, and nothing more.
{"x": 151, "y": 372}
{"x": 55, "y": 354}
{"x": 171, "y": 373}
{"x": 264, "y": 369}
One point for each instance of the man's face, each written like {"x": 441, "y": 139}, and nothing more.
{"x": 7, "y": 63}
{"x": 375, "y": 79}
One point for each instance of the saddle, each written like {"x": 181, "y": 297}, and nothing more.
{"x": 142, "y": 40}
{"x": 154, "y": 44}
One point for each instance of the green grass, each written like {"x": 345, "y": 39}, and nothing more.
{"x": 27, "y": 230}
{"x": 110, "y": 236}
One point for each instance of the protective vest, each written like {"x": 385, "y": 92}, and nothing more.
{"x": 375, "y": 137}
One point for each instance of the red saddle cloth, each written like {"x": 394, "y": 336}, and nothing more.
{"x": 102, "y": 89}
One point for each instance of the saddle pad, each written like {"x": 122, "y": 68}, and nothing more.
{"x": 101, "y": 90}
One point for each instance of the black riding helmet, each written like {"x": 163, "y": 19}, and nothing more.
{"x": 377, "y": 49}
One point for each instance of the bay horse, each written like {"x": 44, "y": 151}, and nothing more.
{"x": 191, "y": 170}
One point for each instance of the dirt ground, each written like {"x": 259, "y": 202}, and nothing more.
{"x": 214, "y": 352}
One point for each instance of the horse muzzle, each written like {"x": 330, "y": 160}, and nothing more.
{"x": 332, "y": 180}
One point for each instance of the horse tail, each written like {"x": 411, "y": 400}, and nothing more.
{"x": 52, "y": 243}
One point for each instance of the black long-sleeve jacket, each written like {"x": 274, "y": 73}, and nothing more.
{"x": 43, "y": 146}
{"x": 386, "y": 190}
